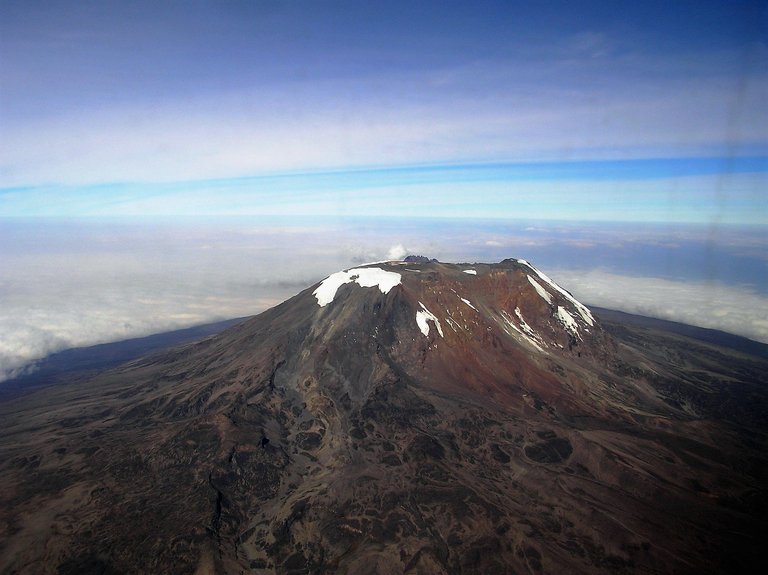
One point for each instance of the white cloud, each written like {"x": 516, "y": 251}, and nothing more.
{"x": 397, "y": 252}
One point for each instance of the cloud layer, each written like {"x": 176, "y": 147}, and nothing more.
{"x": 81, "y": 283}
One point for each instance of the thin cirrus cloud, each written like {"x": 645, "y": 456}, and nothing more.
{"x": 105, "y": 94}
{"x": 183, "y": 141}
{"x": 690, "y": 190}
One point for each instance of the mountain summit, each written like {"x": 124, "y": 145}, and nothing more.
{"x": 398, "y": 417}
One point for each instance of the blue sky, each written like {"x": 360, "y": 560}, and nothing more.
{"x": 649, "y": 111}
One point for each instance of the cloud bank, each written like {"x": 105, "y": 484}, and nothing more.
{"x": 71, "y": 284}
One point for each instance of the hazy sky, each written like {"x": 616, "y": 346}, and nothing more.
{"x": 622, "y": 147}
{"x": 644, "y": 111}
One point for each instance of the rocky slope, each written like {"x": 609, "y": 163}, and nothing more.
{"x": 402, "y": 417}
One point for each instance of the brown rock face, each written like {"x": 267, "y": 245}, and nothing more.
{"x": 453, "y": 419}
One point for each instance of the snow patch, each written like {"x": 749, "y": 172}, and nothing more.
{"x": 364, "y": 277}
{"x": 580, "y": 307}
{"x": 466, "y": 301}
{"x": 470, "y": 272}
{"x": 533, "y": 340}
{"x": 422, "y": 318}
{"x": 528, "y": 329}
{"x": 453, "y": 324}
{"x": 540, "y": 290}
{"x": 568, "y": 321}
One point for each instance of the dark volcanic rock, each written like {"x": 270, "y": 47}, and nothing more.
{"x": 419, "y": 260}
{"x": 420, "y": 418}
{"x": 554, "y": 450}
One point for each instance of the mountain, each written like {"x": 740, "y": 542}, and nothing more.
{"x": 400, "y": 417}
